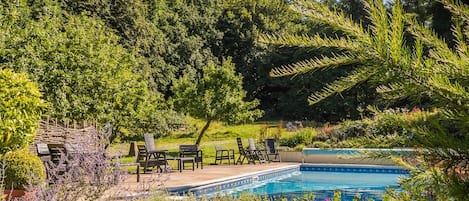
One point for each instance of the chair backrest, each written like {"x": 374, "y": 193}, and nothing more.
{"x": 149, "y": 142}
{"x": 42, "y": 149}
{"x": 240, "y": 144}
{"x": 270, "y": 145}
{"x": 252, "y": 145}
{"x": 43, "y": 152}
{"x": 57, "y": 152}
{"x": 142, "y": 153}
{"x": 188, "y": 148}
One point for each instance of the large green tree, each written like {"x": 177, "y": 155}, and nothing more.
{"x": 82, "y": 70}
{"x": 428, "y": 68}
{"x": 170, "y": 35}
{"x": 217, "y": 96}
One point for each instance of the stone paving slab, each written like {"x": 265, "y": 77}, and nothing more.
{"x": 158, "y": 181}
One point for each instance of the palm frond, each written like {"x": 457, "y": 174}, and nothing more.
{"x": 439, "y": 50}
{"x": 396, "y": 45}
{"x": 446, "y": 67}
{"x": 315, "y": 64}
{"x": 460, "y": 40}
{"x": 418, "y": 55}
{"x": 380, "y": 25}
{"x": 458, "y": 8}
{"x": 427, "y": 36}
{"x": 392, "y": 91}
{"x": 322, "y": 14}
{"x": 452, "y": 91}
{"x": 342, "y": 84}
{"x": 293, "y": 40}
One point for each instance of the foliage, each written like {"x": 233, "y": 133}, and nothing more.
{"x": 23, "y": 168}
{"x": 159, "y": 196}
{"x": 169, "y": 36}
{"x": 302, "y": 136}
{"x": 82, "y": 70}
{"x": 427, "y": 69}
{"x": 320, "y": 144}
{"x": 20, "y": 110}
{"x": 242, "y": 22}
{"x": 218, "y": 95}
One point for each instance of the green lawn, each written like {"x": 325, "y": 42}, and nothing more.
{"x": 218, "y": 134}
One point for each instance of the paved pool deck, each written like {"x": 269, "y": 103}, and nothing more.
{"x": 157, "y": 181}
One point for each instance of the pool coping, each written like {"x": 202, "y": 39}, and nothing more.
{"x": 353, "y": 151}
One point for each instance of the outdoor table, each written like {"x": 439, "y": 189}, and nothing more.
{"x": 181, "y": 160}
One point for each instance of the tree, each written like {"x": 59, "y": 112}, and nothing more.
{"x": 429, "y": 69}
{"x": 78, "y": 63}
{"x": 20, "y": 110}
{"x": 168, "y": 35}
{"x": 217, "y": 96}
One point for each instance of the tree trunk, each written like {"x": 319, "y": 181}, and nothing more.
{"x": 202, "y": 132}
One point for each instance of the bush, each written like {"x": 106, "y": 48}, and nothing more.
{"x": 323, "y": 145}
{"x": 303, "y": 136}
{"x": 23, "y": 168}
{"x": 20, "y": 110}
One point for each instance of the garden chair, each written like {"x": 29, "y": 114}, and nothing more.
{"x": 191, "y": 150}
{"x": 256, "y": 153}
{"x": 244, "y": 154}
{"x": 43, "y": 152}
{"x": 270, "y": 150}
{"x": 224, "y": 154}
{"x": 153, "y": 157}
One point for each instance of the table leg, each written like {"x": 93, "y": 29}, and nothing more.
{"x": 138, "y": 172}
{"x": 180, "y": 165}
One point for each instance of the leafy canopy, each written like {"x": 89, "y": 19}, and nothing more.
{"x": 82, "y": 70}
{"x": 217, "y": 96}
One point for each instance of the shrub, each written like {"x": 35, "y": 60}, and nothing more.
{"x": 303, "y": 136}
{"x": 319, "y": 144}
{"x": 20, "y": 110}
{"x": 23, "y": 168}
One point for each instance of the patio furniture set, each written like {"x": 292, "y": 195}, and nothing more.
{"x": 149, "y": 156}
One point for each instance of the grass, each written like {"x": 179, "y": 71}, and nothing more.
{"x": 217, "y": 134}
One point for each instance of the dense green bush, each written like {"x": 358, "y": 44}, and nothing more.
{"x": 385, "y": 129}
{"x": 303, "y": 136}
{"x": 20, "y": 110}
{"x": 23, "y": 168}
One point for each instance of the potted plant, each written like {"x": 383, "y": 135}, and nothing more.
{"x": 23, "y": 169}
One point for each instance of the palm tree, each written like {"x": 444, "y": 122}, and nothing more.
{"x": 426, "y": 68}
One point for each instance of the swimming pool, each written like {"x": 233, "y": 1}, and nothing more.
{"x": 321, "y": 179}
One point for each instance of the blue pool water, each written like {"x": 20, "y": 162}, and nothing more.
{"x": 298, "y": 180}
{"x": 323, "y": 185}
